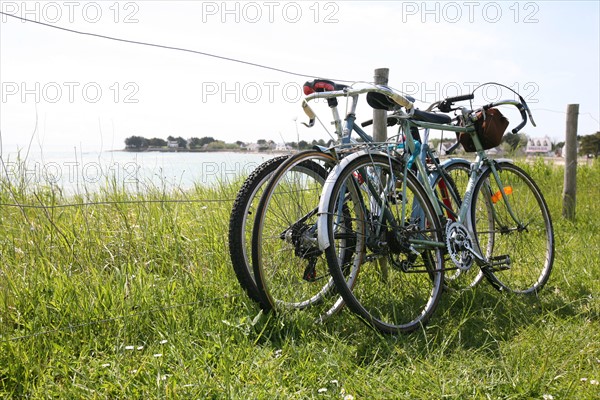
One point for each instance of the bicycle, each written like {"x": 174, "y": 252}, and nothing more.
{"x": 397, "y": 218}
{"x": 289, "y": 269}
{"x": 244, "y": 207}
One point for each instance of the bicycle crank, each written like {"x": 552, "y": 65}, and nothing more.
{"x": 459, "y": 246}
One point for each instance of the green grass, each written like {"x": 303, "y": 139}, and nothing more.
{"x": 136, "y": 298}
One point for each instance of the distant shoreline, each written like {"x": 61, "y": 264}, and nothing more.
{"x": 182, "y": 150}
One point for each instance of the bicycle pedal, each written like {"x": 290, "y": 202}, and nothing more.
{"x": 499, "y": 263}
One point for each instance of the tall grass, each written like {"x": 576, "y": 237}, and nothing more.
{"x": 132, "y": 295}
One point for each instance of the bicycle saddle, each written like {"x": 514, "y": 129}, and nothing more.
{"x": 380, "y": 101}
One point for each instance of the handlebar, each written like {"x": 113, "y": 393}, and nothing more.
{"x": 326, "y": 89}
{"x": 446, "y": 105}
{"x": 523, "y": 116}
{"x": 521, "y": 106}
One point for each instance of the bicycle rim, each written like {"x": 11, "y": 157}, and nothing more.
{"x": 523, "y": 249}
{"x": 398, "y": 288}
{"x": 290, "y": 270}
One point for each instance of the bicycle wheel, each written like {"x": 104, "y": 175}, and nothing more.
{"x": 240, "y": 231}
{"x": 393, "y": 223}
{"x": 449, "y": 185}
{"x": 289, "y": 268}
{"x": 522, "y": 238}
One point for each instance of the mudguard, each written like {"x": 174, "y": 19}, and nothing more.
{"x": 322, "y": 228}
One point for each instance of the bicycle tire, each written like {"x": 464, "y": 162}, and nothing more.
{"x": 382, "y": 295}
{"x": 240, "y": 232}
{"x": 290, "y": 271}
{"x": 523, "y": 252}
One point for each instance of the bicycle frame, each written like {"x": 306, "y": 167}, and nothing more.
{"x": 478, "y": 167}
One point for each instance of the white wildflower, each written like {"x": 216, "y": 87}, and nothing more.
{"x": 157, "y": 355}
{"x": 278, "y": 353}
{"x": 129, "y": 347}
{"x": 106, "y": 365}
{"x": 140, "y": 348}
{"x": 322, "y": 390}
{"x": 593, "y": 382}
{"x": 164, "y": 341}
{"x": 548, "y": 397}
{"x": 348, "y": 397}
{"x": 334, "y": 382}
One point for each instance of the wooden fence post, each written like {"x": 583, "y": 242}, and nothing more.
{"x": 570, "y": 183}
{"x": 380, "y": 116}
{"x": 380, "y": 135}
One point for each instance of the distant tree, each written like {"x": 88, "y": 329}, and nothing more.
{"x": 261, "y": 142}
{"x": 292, "y": 145}
{"x": 206, "y": 140}
{"x": 240, "y": 143}
{"x": 136, "y": 142}
{"x": 303, "y": 144}
{"x": 216, "y": 145}
{"x": 194, "y": 143}
{"x": 515, "y": 141}
{"x": 590, "y": 144}
{"x": 157, "y": 142}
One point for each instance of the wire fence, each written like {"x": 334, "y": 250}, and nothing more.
{"x": 112, "y": 203}
{"x": 15, "y": 225}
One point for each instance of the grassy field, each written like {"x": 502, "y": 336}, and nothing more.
{"x": 133, "y": 296}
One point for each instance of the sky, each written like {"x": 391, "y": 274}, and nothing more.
{"x": 61, "y": 90}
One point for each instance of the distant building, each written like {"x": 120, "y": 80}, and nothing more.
{"x": 539, "y": 145}
{"x": 172, "y": 144}
{"x": 252, "y": 146}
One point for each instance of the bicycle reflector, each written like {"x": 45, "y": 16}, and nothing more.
{"x": 496, "y": 197}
